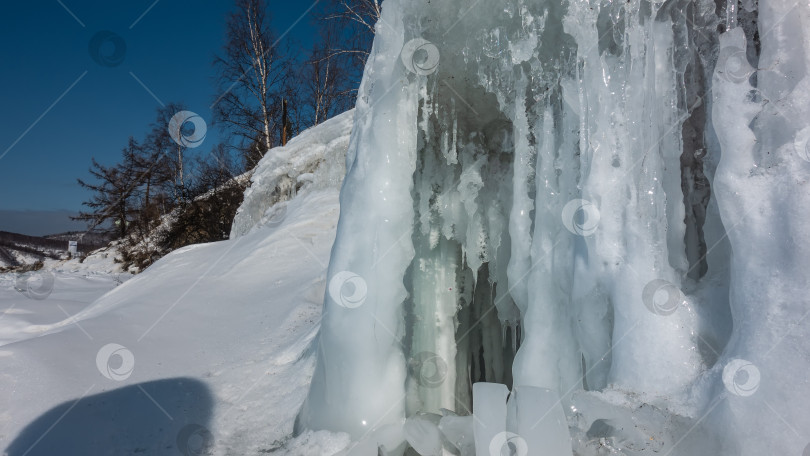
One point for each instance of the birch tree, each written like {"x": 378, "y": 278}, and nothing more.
{"x": 251, "y": 75}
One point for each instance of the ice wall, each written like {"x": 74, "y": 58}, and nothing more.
{"x": 593, "y": 201}
{"x": 761, "y": 116}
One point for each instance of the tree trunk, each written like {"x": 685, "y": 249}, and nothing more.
{"x": 285, "y": 124}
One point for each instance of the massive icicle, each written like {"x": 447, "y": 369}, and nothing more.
{"x": 546, "y": 194}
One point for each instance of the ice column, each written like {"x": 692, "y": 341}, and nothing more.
{"x": 761, "y": 117}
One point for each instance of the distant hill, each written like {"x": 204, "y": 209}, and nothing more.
{"x": 18, "y": 249}
{"x": 91, "y": 238}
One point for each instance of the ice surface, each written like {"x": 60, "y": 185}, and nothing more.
{"x": 458, "y": 430}
{"x": 761, "y": 190}
{"x": 490, "y": 414}
{"x": 531, "y": 421}
{"x": 604, "y": 200}
{"x": 422, "y": 433}
{"x": 540, "y": 421}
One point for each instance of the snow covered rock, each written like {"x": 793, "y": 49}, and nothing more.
{"x": 314, "y": 159}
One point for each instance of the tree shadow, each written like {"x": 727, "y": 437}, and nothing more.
{"x": 160, "y": 417}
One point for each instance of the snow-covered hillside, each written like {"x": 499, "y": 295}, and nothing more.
{"x": 205, "y": 352}
{"x": 315, "y": 159}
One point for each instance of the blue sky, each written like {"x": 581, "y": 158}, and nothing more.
{"x": 46, "y": 144}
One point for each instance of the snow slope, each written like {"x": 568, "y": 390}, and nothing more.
{"x": 37, "y": 302}
{"x": 211, "y": 345}
{"x": 315, "y": 158}
{"x": 22, "y": 317}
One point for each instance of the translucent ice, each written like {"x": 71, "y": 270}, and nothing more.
{"x": 601, "y": 200}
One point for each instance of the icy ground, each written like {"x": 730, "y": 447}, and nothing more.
{"x": 205, "y": 352}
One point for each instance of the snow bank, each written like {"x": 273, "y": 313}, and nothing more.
{"x": 210, "y": 351}
{"x": 314, "y": 159}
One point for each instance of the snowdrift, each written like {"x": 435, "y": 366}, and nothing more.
{"x": 205, "y": 352}
{"x": 315, "y": 158}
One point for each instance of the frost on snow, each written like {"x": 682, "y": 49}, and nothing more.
{"x": 581, "y": 223}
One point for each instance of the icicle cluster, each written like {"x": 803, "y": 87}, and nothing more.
{"x": 596, "y": 204}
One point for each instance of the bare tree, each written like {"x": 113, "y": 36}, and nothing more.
{"x": 251, "y": 152}
{"x": 152, "y": 174}
{"x": 217, "y": 195}
{"x": 166, "y": 156}
{"x": 356, "y": 20}
{"x": 214, "y": 170}
{"x": 252, "y": 73}
{"x": 111, "y": 199}
{"x": 326, "y": 85}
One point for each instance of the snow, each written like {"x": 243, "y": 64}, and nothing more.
{"x": 24, "y": 317}
{"x": 573, "y": 230}
{"x": 36, "y": 302}
{"x": 208, "y": 351}
{"x": 219, "y": 334}
{"x": 314, "y": 159}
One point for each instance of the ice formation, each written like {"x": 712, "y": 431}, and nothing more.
{"x": 596, "y": 205}
{"x": 313, "y": 159}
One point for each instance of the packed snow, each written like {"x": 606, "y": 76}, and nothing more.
{"x": 313, "y": 159}
{"x": 205, "y": 352}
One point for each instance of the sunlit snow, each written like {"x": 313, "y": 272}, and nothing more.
{"x": 565, "y": 228}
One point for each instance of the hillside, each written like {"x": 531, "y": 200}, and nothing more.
{"x": 219, "y": 334}
{"x": 19, "y": 249}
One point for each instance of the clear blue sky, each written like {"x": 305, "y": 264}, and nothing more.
{"x": 44, "y": 51}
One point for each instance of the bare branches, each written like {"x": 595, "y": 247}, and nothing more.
{"x": 326, "y": 83}
{"x": 355, "y": 20}
{"x": 252, "y": 74}
{"x": 112, "y": 194}
{"x": 364, "y": 13}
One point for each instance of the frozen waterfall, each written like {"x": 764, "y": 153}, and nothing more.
{"x": 574, "y": 227}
